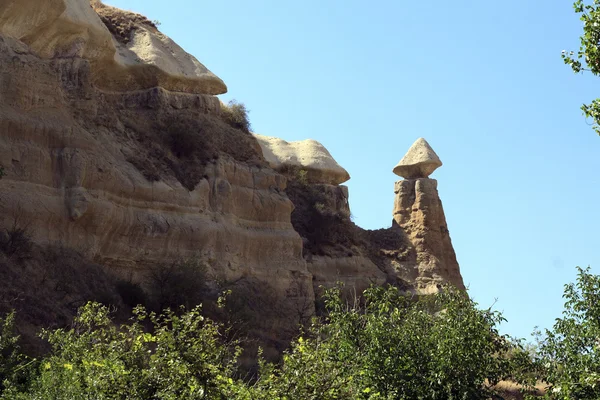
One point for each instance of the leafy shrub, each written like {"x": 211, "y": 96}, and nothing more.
{"x": 391, "y": 347}
{"x": 568, "y": 355}
{"x": 181, "y": 358}
{"x": 236, "y": 115}
{"x": 12, "y": 363}
{"x": 441, "y": 347}
{"x": 182, "y": 282}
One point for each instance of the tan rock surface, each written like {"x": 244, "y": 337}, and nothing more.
{"x": 309, "y": 155}
{"x": 64, "y": 146}
{"x": 71, "y": 28}
{"x": 112, "y": 145}
{"x": 146, "y": 48}
{"x": 430, "y": 260}
{"x": 419, "y": 162}
{"x": 97, "y": 170}
{"x": 356, "y": 273}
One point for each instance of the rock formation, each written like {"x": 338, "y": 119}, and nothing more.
{"x": 309, "y": 155}
{"x": 419, "y": 162}
{"x": 112, "y": 144}
{"x": 137, "y": 56}
{"x": 419, "y": 213}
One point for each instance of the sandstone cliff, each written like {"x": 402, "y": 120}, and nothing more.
{"x": 113, "y": 144}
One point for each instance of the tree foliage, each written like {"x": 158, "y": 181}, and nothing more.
{"x": 568, "y": 355}
{"x": 387, "y": 346}
{"x": 393, "y": 347}
{"x": 587, "y": 58}
{"x": 181, "y": 357}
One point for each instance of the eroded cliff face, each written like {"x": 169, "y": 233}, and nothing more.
{"x": 126, "y": 160}
{"x": 75, "y": 159}
{"x": 430, "y": 260}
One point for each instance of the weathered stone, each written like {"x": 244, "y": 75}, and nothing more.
{"x": 64, "y": 147}
{"x": 418, "y": 211}
{"x": 357, "y": 273}
{"x": 419, "y": 162}
{"x": 73, "y": 118}
{"x": 72, "y": 28}
{"x": 309, "y": 155}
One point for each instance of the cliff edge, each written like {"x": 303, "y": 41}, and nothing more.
{"x": 113, "y": 144}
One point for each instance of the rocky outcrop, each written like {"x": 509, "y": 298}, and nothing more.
{"x": 308, "y": 155}
{"x": 112, "y": 144}
{"x": 355, "y": 272}
{"x": 415, "y": 253}
{"x": 430, "y": 260}
{"x": 72, "y": 28}
{"x": 419, "y": 162}
{"x": 76, "y": 162}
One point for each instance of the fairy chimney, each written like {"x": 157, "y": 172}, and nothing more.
{"x": 418, "y": 211}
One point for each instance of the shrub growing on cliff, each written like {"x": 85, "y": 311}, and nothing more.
{"x": 236, "y": 115}
{"x": 15, "y": 241}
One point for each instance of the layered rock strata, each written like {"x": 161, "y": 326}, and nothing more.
{"x": 430, "y": 260}
{"x": 111, "y": 144}
{"x": 69, "y": 152}
{"x": 308, "y": 155}
{"x": 139, "y": 56}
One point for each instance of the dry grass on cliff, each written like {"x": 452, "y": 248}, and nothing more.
{"x": 119, "y": 22}
{"x": 235, "y": 114}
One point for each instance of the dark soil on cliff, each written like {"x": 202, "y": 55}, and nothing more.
{"x": 326, "y": 231}
{"x": 46, "y": 284}
{"x": 182, "y": 144}
{"x": 322, "y": 219}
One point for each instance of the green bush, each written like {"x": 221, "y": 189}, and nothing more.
{"x": 13, "y": 366}
{"x": 389, "y": 347}
{"x": 181, "y": 358}
{"x": 181, "y": 282}
{"x": 568, "y": 355}
{"x": 441, "y": 347}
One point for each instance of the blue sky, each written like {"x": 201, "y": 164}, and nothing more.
{"x": 483, "y": 82}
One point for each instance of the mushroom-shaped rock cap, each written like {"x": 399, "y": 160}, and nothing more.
{"x": 306, "y": 154}
{"x": 419, "y": 162}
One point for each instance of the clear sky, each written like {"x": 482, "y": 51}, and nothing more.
{"x": 482, "y": 81}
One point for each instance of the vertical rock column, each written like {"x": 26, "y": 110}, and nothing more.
{"x": 418, "y": 211}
